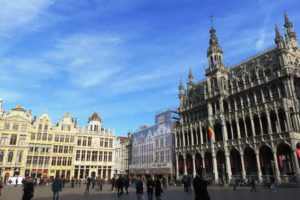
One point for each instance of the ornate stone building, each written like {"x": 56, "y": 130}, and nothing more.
{"x": 122, "y": 154}
{"x": 253, "y": 109}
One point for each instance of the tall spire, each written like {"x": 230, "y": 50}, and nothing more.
{"x": 180, "y": 88}
{"x": 278, "y": 37}
{"x": 190, "y": 75}
{"x": 287, "y": 23}
{"x": 214, "y": 52}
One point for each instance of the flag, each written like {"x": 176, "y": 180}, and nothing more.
{"x": 210, "y": 131}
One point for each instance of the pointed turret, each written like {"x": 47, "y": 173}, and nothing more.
{"x": 278, "y": 38}
{"x": 290, "y": 36}
{"x": 214, "y": 52}
{"x": 190, "y": 83}
{"x": 180, "y": 96}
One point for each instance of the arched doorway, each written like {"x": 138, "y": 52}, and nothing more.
{"x": 180, "y": 164}
{"x": 250, "y": 161}
{"x": 208, "y": 163}
{"x": 221, "y": 165}
{"x": 189, "y": 164}
{"x": 235, "y": 162}
{"x": 266, "y": 159}
{"x": 218, "y": 132}
{"x": 285, "y": 159}
{"x": 198, "y": 162}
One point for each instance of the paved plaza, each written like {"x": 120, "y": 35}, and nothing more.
{"x": 172, "y": 193}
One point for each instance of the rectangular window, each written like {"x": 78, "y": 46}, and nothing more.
{"x": 156, "y": 143}
{"x": 15, "y": 126}
{"x": 88, "y": 155}
{"x": 58, "y": 161}
{"x": 105, "y": 156}
{"x": 64, "y": 162}
{"x": 65, "y": 149}
{"x": 69, "y": 161}
{"x": 7, "y": 126}
{"x": 29, "y": 160}
{"x": 101, "y": 142}
{"x": 156, "y": 157}
{"x": 32, "y": 136}
{"x": 35, "y": 160}
{"x": 77, "y": 154}
{"x": 55, "y": 149}
{"x": 70, "y": 149}
{"x": 110, "y": 143}
{"x": 24, "y": 127}
{"x": 67, "y": 138}
{"x": 68, "y": 127}
{"x": 109, "y": 156}
{"x": 161, "y": 142}
{"x": 72, "y": 139}
{"x": 47, "y": 158}
{"x": 13, "y": 139}
{"x": 167, "y": 141}
{"x": 83, "y": 156}
{"x": 62, "y": 138}
{"x": 60, "y": 150}
{"x": 44, "y": 136}
{"x": 84, "y": 141}
{"x": 79, "y": 141}
{"x": 40, "y": 126}
{"x": 38, "y": 136}
{"x": 167, "y": 156}
{"x": 106, "y": 142}
{"x": 100, "y": 156}
{"x": 53, "y": 161}
{"x": 50, "y": 137}
{"x": 41, "y": 160}
{"x": 89, "y": 141}
{"x": 161, "y": 156}
{"x": 94, "y": 155}
{"x": 57, "y": 138}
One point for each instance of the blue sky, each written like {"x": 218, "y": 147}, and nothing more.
{"x": 121, "y": 58}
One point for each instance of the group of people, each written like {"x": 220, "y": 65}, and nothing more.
{"x": 121, "y": 183}
{"x": 154, "y": 186}
{"x": 95, "y": 182}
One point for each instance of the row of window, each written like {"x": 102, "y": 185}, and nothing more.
{"x": 12, "y": 139}
{"x": 57, "y": 137}
{"x": 62, "y": 149}
{"x": 15, "y": 126}
{"x": 82, "y": 155}
{"x": 10, "y": 156}
{"x": 160, "y": 156}
{"x": 38, "y": 160}
{"x": 87, "y": 141}
{"x": 41, "y": 149}
{"x": 61, "y": 161}
{"x": 163, "y": 142}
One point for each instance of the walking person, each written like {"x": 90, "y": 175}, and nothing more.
{"x": 113, "y": 182}
{"x": 28, "y": 189}
{"x": 150, "y": 186}
{"x": 200, "y": 186}
{"x": 253, "y": 185}
{"x": 126, "y": 184}
{"x": 157, "y": 187}
{"x": 139, "y": 189}
{"x": 185, "y": 184}
{"x": 16, "y": 182}
{"x": 189, "y": 182}
{"x": 56, "y": 188}
{"x": 1, "y": 186}
{"x": 72, "y": 182}
{"x": 88, "y": 183}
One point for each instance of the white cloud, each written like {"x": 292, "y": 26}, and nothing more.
{"x": 19, "y": 13}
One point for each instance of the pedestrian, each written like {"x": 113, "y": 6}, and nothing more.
{"x": 88, "y": 183}
{"x": 120, "y": 185}
{"x": 126, "y": 184}
{"x": 139, "y": 189}
{"x": 1, "y": 186}
{"x": 185, "y": 184}
{"x": 157, "y": 187}
{"x": 189, "y": 182}
{"x": 273, "y": 184}
{"x": 72, "y": 182}
{"x": 28, "y": 190}
{"x": 56, "y": 188}
{"x": 16, "y": 182}
{"x": 253, "y": 185}
{"x": 150, "y": 186}
{"x": 93, "y": 182}
{"x": 113, "y": 182}
{"x": 200, "y": 185}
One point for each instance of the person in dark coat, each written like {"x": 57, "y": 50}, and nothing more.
{"x": 150, "y": 186}
{"x": 200, "y": 186}
{"x": 28, "y": 190}
{"x": 139, "y": 189}
{"x": 88, "y": 183}
{"x": 56, "y": 188}
{"x": 157, "y": 188}
{"x": 126, "y": 183}
{"x": 120, "y": 185}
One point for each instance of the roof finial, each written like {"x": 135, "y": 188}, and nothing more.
{"x": 211, "y": 20}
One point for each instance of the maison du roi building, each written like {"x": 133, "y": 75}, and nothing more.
{"x": 253, "y": 110}
{"x": 36, "y": 147}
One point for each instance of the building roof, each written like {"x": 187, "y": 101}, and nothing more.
{"x": 95, "y": 117}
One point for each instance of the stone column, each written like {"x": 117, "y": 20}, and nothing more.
{"x": 278, "y": 122}
{"x": 243, "y": 166}
{"x": 260, "y": 125}
{"x": 177, "y": 170}
{"x": 296, "y": 162}
{"x": 269, "y": 123}
{"x": 288, "y": 120}
{"x": 215, "y": 169}
{"x": 277, "y": 172}
{"x": 197, "y": 136}
{"x": 245, "y": 126}
{"x": 238, "y": 127}
{"x": 258, "y": 166}
{"x": 184, "y": 165}
{"x": 192, "y": 135}
{"x": 252, "y": 125}
{"x": 176, "y": 142}
{"x": 194, "y": 166}
{"x": 203, "y": 160}
{"x": 231, "y": 130}
{"x": 228, "y": 166}
{"x": 183, "y": 137}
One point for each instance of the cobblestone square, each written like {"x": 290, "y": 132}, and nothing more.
{"x": 172, "y": 193}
